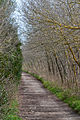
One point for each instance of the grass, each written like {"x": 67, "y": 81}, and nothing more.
{"x": 65, "y": 95}
{"x": 12, "y": 111}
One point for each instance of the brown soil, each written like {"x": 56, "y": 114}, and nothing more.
{"x": 37, "y": 103}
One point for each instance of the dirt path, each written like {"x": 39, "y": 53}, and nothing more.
{"x": 37, "y": 103}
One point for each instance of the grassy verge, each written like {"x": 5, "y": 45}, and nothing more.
{"x": 12, "y": 111}
{"x": 65, "y": 95}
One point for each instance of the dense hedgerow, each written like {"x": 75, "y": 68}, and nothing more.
{"x": 10, "y": 73}
{"x": 10, "y": 59}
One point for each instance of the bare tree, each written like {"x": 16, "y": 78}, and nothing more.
{"x": 53, "y": 38}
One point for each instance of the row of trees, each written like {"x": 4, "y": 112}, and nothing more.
{"x": 53, "y": 40}
{"x": 10, "y": 58}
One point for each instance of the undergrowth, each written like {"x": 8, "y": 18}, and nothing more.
{"x": 10, "y": 75}
{"x": 12, "y": 111}
{"x": 65, "y": 95}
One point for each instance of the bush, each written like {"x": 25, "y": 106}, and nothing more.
{"x": 10, "y": 74}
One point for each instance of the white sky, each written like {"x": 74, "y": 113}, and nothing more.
{"x": 18, "y": 17}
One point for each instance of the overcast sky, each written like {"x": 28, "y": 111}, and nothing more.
{"x": 18, "y": 18}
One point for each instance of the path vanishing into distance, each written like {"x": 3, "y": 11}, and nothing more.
{"x": 37, "y": 103}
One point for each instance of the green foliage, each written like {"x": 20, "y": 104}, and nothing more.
{"x": 10, "y": 74}
{"x": 65, "y": 95}
{"x": 13, "y": 117}
{"x": 10, "y": 59}
{"x": 3, "y": 96}
{"x": 12, "y": 112}
{"x": 2, "y": 2}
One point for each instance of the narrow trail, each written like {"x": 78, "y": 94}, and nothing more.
{"x": 37, "y": 103}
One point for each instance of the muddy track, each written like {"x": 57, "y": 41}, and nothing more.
{"x": 37, "y": 103}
